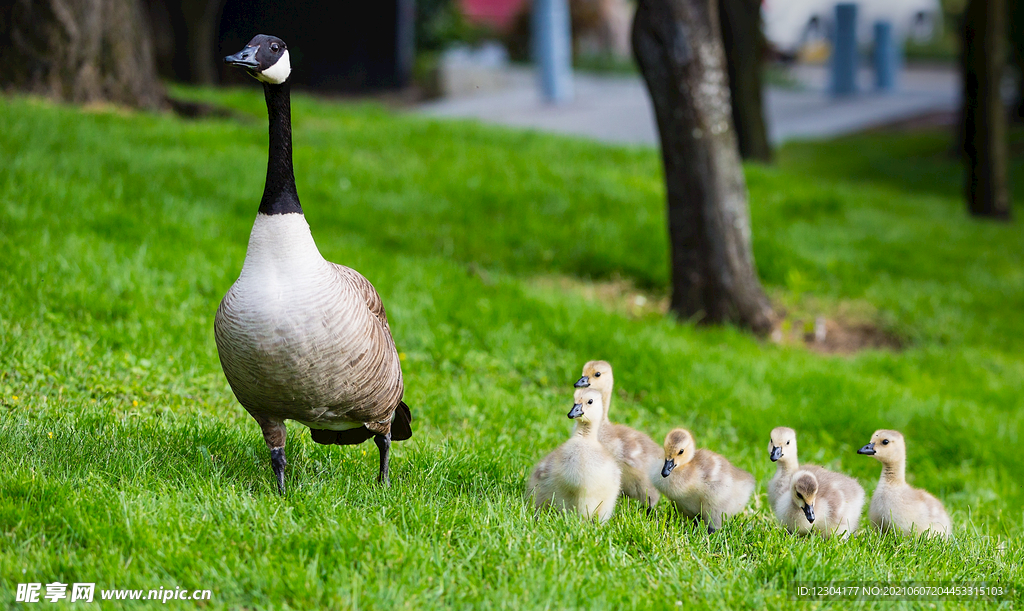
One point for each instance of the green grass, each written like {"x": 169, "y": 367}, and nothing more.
{"x": 128, "y": 463}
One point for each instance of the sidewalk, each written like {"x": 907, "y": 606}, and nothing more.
{"x": 616, "y": 108}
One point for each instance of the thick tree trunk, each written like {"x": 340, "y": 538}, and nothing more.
{"x": 79, "y": 51}
{"x": 679, "y": 51}
{"x": 744, "y": 54}
{"x": 984, "y": 116}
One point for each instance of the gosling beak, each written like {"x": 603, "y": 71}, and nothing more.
{"x": 809, "y": 513}
{"x": 775, "y": 454}
{"x": 868, "y": 449}
{"x": 583, "y": 382}
{"x": 246, "y": 58}
{"x": 576, "y": 411}
{"x": 669, "y": 465}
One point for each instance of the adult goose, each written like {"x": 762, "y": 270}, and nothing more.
{"x": 299, "y": 337}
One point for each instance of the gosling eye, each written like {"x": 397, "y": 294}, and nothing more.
{"x": 681, "y": 451}
{"x": 597, "y": 374}
{"x": 787, "y": 443}
{"x": 885, "y": 442}
{"x": 590, "y": 402}
{"x": 275, "y": 47}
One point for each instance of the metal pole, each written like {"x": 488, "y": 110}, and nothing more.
{"x": 844, "y": 51}
{"x": 552, "y": 36}
{"x": 887, "y": 57}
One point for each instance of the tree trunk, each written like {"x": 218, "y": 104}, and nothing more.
{"x": 80, "y": 51}
{"x": 984, "y": 117}
{"x": 678, "y": 48}
{"x": 744, "y": 54}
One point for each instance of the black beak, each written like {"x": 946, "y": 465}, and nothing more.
{"x": 583, "y": 382}
{"x": 246, "y": 58}
{"x": 669, "y": 465}
{"x": 775, "y": 454}
{"x": 809, "y": 513}
{"x": 868, "y": 449}
{"x": 576, "y": 411}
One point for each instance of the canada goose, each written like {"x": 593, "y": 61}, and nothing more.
{"x": 827, "y": 503}
{"x": 580, "y": 475}
{"x": 299, "y": 337}
{"x": 895, "y": 503}
{"x": 701, "y": 483}
{"x": 638, "y": 455}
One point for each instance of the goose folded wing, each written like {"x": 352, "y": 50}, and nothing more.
{"x": 369, "y": 294}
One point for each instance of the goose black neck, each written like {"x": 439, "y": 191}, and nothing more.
{"x": 279, "y": 194}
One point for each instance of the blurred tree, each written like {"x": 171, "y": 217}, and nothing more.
{"x": 79, "y": 51}
{"x": 678, "y": 47}
{"x": 744, "y": 55}
{"x": 984, "y": 137}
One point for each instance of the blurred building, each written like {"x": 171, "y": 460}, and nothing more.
{"x": 347, "y": 46}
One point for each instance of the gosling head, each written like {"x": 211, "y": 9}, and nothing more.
{"x": 887, "y": 446}
{"x": 805, "y": 490}
{"x": 587, "y": 406}
{"x": 782, "y": 443}
{"x": 679, "y": 449}
{"x": 265, "y": 58}
{"x": 596, "y": 375}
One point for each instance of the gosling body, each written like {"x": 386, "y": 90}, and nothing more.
{"x": 701, "y": 483}
{"x": 821, "y": 501}
{"x": 639, "y": 457}
{"x": 895, "y": 504}
{"x": 580, "y": 475}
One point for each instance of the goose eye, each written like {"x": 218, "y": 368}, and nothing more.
{"x": 885, "y": 442}
{"x": 590, "y": 402}
{"x": 787, "y": 443}
{"x": 275, "y": 47}
{"x": 597, "y": 374}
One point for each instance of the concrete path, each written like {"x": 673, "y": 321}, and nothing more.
{"x": 617, "y": 109}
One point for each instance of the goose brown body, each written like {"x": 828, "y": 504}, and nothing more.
{"x": 304, "y": 339}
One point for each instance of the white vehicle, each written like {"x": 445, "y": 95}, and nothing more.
{"x": 790, "y": 25}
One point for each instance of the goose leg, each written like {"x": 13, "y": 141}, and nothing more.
{"x": 274, "y": 433}
{"x": 384, "y": 447}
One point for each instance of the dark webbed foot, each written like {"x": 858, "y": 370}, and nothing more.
{"x": 278, "y": 462}
{"x": 384, "y": 447}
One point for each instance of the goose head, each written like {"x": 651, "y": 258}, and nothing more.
{"x": 887, "y": 446}
{"x": 782, "y": 443}
{"x": 679, "y": 449}
{"x": 596, "y": 375}
{"x": 265, "y": 58}
{"x": 804, "y": 490}
{"x": 587, "y": 407}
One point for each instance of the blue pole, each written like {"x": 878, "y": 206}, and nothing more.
{"x": 844, "y": 51}
{"x": 552, "y": 35}
{"x": 887, "y": 57}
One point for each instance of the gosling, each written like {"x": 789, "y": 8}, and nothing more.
{"x": 840, "y": 492}
{"x": 821, "y": 501}
{"x": 702, "y": 484}
{"x": 896, "y": 505}
{"x": 580, "y": 475}
{"x": 638, "y": 455}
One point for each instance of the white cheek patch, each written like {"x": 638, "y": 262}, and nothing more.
{"x": 279, "y": 72}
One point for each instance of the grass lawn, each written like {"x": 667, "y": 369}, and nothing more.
{"x": 128, "y": 463}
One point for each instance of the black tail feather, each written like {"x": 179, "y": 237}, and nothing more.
{"x": 401, "y": 426}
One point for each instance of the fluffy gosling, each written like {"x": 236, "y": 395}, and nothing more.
{"x": 638, "y": 455}
{"x": 580, "y": 475}
{"x": 827, "y": 503}
{"x": 702, "y": 484}
{"x": 843, "y": 496}
{"x": 896, "y": 505}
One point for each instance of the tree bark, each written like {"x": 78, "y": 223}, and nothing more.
{"x": 80, "y": 51}
{"x": 744, "y": 55}
{"x": 678, "y": 48}
{"x": 984, "y": 117}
